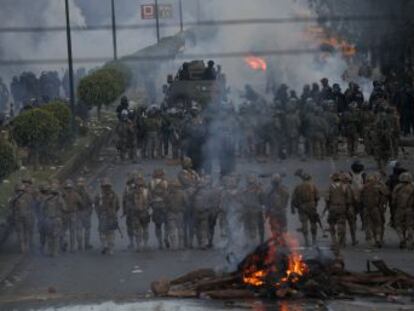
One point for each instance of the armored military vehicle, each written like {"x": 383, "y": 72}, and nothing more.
{"x": 190, "y": 86}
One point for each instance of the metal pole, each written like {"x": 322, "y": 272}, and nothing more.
{"x": 70, "y": 64}
{"x": 181, "y": 16}
{"x": 157, "y": 21}
{"x": 114, "y": 41}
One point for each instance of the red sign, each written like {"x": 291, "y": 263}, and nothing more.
{"x": 148, "y": 11}
{"x": 165, "y": 11}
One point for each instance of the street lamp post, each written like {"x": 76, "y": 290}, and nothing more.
{"x": 181, "y": 15}
{"x": 70, "y": 64}
{"x": 157, "y": 20}
{"x": 114, "y": 39}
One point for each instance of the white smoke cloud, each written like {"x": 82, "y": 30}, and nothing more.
{"x": 296, "y": 70}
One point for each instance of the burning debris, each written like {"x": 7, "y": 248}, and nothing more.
{"x": 256, "y": 63}
{"x": 278, "y": 270}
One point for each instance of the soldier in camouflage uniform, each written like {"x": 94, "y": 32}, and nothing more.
{"x": 177, "y": 202}
{"x": 373, "y": 196}
{"x": 332, "y": 120}
{"x": 318, "y": 130}
{"x": 276, "y": 204}
{"x": 352, "y": 206}
{"x": 252, "y": 199}
{"x": 305, "y": 200}
{"x": 126, "y": 137}
{"x": 337, "y": 204}
{"x": 189, "y": 180}
{"x": 395, "y": 130}
{"x": 52, "y": 208}
{"x": 205, "y": 202}
{"x": 152, "y": 128}
{"x": 22, "y": 217}
{"x": 136, "y": 202}
{"x": 292, "y": 129}
{"x": 159, "y": 190}
{"x": 367, "y": 128}
{"x": 129, "y": 188}
{"x": 107, "y": 207}
{"x": 84, "y": 216}
{"x": 402, "y": 209}
{"x": 383, "y": 138}
{"x": 73, "y": 203}
{"x": 351, "y": 125}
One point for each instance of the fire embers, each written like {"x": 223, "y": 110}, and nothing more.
{"x": 275, "y": 265}
{"x": 256, "y": 63}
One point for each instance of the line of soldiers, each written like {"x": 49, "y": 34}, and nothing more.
{"x": 315, "y": 125}
{"x": 354, "y": 194}
{"x": 56, "y": 212}
{"x": 190, "y": 208}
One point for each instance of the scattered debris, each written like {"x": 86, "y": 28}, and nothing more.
{"x": 275, "y": 270}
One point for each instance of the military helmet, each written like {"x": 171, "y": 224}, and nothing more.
{"x": 406, "y": 177}
{"x": 336, "y": 176}
{"x": 158, "y": 173}
{"x": 44, "y": 187}
{"x": 187, "y": 163}
{"x": 306, "y": 176}
{"x": 371, "y": 179}
{"x": 276, "y": 178}
{"x": 69, "y": 184}
{"x": 81, "y": 181}
{"x": 27, "y": 180}
{"x": 106, "y": 182}
{"x": 19, "y": 187}
{"x": 54, "y": 188}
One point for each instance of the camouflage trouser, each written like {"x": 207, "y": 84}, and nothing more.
{"x": 83, "y": 229}
{"x": 212, "y": 222}
{"x": 53, "y": 229}
{"x": 306, "y": 221}
{"x": 175, "y": 230}
{"x": 278, "y": 225}
{"x": 351, "y": 220}
{"x": 352, "y": 144}
{"x": 24, "y": 230}
{"x": 140, "y": 224}
{"x": 251, "y": 227}
{"x": 107, "y": 240}
{"x": 159, "y": 218}
{"x": 292, "y": 146}
{"x": 69, "y": 225}
{"x": 202, "y": 227}
{"x": 318, "y": 148}
{"x": 374, "y": 221}
{"x": 332, "y": 146}
{"x": 337, "y": 225}
{"x": 152, "y": 145}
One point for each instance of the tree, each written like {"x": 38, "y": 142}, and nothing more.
{"x": 63, "y": 115}
{"x": 37, "y": 130}
{"x": 8, "y": 158}
{"x": 104, "y": 86}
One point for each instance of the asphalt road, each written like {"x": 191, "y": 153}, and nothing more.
{"x": 126, "y": 275}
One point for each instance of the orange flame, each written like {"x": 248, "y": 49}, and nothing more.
{"x": 295, "y": 271}
{"x": 331, "y": 40}
{"x": 256, "y": 63}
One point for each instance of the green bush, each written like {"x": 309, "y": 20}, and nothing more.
{"x": 63, "y": 115}
{"x": 37, "y": 130}
{"x": 104, "y": 86}
{"x": 8, "y": 162}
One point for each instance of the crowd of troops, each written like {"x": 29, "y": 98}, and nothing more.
{"x": 191, "y": 207}
{"x": 315, "y": 125}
